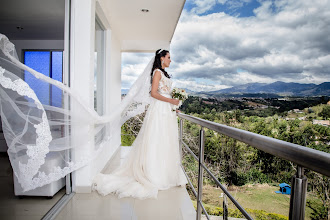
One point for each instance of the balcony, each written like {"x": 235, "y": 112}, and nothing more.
{"x": 173, "y": 204}
{"x": 176, "y": 203}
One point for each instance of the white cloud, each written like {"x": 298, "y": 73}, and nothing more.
{"x": 133, "y": 64}
{"x": 197, "y": 86}
{"x": 203, "y": 6}
{"x": 287, "y": 40}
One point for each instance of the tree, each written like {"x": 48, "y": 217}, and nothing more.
{"x": 325, "y": 113}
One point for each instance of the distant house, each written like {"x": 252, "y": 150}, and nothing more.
{"x": 207, "y": 102}
{"x": 284, "y": 189}
{"x": 297, "y": 111}
{"x": 321, "y": 122}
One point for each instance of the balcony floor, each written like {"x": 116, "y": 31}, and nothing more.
{"x": 25, "y": 207}
{"x": 173, "y": 204}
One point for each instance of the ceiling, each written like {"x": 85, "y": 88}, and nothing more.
{"x": 131, "y": 24}
{"x": 40, "y": 19}
{"x": 44, "y": 19}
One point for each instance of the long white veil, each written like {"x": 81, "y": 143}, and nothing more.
{"x": 36, "y": 132}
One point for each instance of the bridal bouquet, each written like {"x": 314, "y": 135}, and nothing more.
{"x": 179, "y": 94}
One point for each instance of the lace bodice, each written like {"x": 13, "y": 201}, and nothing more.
{"x": 165, "y": 84}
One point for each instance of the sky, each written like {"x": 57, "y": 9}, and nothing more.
{"x": 223, "y": 43}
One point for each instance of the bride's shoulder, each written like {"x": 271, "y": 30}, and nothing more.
{"x": 157, "y": 70}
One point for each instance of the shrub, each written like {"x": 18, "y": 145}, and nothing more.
{"x": 235, "y": 213}
{"x": 318, "y": 210}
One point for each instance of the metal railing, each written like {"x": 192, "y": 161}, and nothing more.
{"x": 302, "y": 156}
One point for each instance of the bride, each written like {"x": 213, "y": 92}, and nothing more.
{"x": 40, "y": 133}
{"x": 154, "y": 161}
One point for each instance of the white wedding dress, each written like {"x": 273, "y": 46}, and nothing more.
{"x": 36, "y": 132}
{"x": 154, "y": 161}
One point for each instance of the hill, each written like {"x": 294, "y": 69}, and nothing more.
{"x": 277, "y": 88}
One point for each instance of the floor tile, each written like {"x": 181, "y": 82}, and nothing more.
{"x": 26, "y": 207}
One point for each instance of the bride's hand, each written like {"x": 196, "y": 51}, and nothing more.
{"x": 175, "y": 101}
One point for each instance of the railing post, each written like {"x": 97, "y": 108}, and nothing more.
{"x": 200, "y": 174}
{"x": 298, "y": 195}
{"x": 225, "y": 207}
{"x": 181, "y": 138}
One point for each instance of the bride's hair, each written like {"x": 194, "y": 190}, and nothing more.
{"x": 158, "y": 64}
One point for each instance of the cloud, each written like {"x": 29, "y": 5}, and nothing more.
{"x": 133, "y": 65}
{"x": 197, "y": 86}
{"x": 286, "y": 40}
{"x": 203, "y": 6}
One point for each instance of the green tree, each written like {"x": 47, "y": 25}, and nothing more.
{"x": 325, "y": 113}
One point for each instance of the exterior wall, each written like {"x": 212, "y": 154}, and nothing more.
{"x": 82, "y": 80}
{"x": 112, "y": 90}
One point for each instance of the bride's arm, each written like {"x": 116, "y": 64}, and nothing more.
{"x": 154, "y": 92}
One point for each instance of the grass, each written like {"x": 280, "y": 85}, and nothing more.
{"x": 256, "y": 196}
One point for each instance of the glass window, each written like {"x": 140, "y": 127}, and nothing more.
{"x": 57, "y": 74}
{"x": 99, "y": 76}
{"x": 49, "y": 63}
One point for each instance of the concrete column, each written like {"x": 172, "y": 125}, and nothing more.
{"x": 82, "y": 79}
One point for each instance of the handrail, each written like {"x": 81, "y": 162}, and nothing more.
{"x": 216, "y": 181}
{"x": 306, "y": 157}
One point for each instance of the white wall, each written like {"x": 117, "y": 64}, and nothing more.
{"x": 37, "y": 44}
{"x": 112, "y": 90}
{"x": 82, "y": 80}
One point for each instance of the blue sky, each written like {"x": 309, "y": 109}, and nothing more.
{"x": 234, "y": 8}
{"x": 222, "y": 43}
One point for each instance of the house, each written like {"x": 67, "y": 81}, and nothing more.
{"x": 321, "y": 122}
{"x": 297, "y": 111}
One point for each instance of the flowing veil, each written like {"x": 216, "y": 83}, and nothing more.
{"x": 38, "y": 131}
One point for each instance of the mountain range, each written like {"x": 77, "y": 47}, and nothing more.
{"x": 278, "y": 88}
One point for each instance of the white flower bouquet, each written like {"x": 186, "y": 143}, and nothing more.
{"x": 179, "y": 94}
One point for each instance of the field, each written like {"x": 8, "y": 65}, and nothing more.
{"x": 256, "y": 196}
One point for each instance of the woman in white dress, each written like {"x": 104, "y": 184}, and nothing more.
{"x": 36, "y": 132}
{"x": 154, "y": 161}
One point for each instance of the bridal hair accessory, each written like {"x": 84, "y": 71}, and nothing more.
{"x": 160, "y": 51}
{"x": 42, "y": 132}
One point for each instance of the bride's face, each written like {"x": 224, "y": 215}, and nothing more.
{"x": 167, "y": 60}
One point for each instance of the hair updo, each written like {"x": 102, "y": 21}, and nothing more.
{"x": 158, "y": 63}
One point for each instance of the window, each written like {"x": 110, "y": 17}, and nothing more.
{"x": 49, "y": 63}
{"x": 99, "y": 73}
{"x": 99, "y": 78}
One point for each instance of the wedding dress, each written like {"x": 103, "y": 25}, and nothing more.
{"x": 154, "y": 160}
{"x": 38, "y": 133}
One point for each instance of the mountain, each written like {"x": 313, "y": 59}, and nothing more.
{"x": 246, "y": 88}
{"x": 267, "y": 90}
{"x": 278, "y": 88}
{"x": 322, "y": 89}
